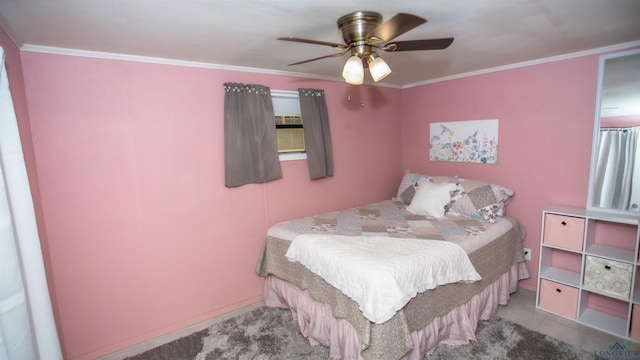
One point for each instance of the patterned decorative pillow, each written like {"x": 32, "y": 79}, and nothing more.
{"x": 456, "y": 194}
{"x": 408, "y": 194}
{"x": 488, "y": 213}
{"x": 482, "y": 200}
{"x": 409, "y": 185}
{"x": 407, "y": 188}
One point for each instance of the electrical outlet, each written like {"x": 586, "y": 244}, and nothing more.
{"x": 527, "y": 254}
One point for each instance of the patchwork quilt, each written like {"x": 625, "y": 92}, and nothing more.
{"x": 391, "y": 218}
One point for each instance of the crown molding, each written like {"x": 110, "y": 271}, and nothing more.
{"x": 174, "y": 62}
{"x": 158, "y": 60}
{"x": 530, "y": 63}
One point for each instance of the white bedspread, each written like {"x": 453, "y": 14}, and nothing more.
{"x": 380, "y": 273}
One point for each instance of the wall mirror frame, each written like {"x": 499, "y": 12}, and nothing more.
{"x": 617, "y": 113}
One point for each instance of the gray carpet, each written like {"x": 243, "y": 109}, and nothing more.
{"x": 270, "y": 334}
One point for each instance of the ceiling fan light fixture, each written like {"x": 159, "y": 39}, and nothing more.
{"x": 363, "y": 31}
{"x": 378, "y": 67}
{"x": 353, "y": 71}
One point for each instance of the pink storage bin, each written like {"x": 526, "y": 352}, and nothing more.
{"x": 563, "y": 231}
{"x": 558, "y": 298}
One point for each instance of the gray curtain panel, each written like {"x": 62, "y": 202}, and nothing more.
{"x": 317, "y": 134}
{"x": 250, "y": 148}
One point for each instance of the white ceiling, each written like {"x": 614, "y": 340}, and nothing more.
{"x": 488, "y": 33}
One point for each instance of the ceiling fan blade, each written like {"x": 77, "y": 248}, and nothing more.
{"x": 394, "y": 27}
{"x": 319, "y": 58}
{"x": 314, "y": 42}
{"x": 412, "y": 45}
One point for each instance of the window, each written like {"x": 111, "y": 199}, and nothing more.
{"x": 289, "y": 125}
{"x": 289, "y": 133}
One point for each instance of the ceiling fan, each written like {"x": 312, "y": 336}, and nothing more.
{"x": 364, "y": 33}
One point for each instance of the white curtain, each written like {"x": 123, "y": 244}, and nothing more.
{"x": 27, "y": 327}
{"x": 618, "y": 169}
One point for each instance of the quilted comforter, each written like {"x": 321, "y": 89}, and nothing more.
{"x": 380, "y": 273}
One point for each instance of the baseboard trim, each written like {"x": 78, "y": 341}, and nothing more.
{"x": 150, "y": 341}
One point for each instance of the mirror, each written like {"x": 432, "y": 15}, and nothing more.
{"x": 614, "y": 183}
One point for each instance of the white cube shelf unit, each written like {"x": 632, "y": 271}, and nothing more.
{"x": 588, "y": 269}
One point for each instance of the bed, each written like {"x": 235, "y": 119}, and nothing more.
{"x": 459, "y": 213}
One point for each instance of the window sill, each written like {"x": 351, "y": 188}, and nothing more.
{"x": 293, "y": 156}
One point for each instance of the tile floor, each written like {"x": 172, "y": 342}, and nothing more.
{"x": 521, "y": 310}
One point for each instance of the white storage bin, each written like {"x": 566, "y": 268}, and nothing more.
{"x": 607, "y": 276}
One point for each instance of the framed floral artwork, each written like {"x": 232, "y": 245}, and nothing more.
{"x": 474, "y": 141}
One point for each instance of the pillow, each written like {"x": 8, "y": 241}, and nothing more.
{"x": 482, "y": 200}
{"x": 407, "y": 187}
{"x": 409, "y": 184}
{"x": 456, "y": 194}
{"x": 408, "y": 194}
{"x": 431, "y": 198}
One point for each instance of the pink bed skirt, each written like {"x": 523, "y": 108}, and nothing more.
{"x": 457, "y": 327}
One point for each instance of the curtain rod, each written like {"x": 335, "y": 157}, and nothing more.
{"x": 620, "y": 128}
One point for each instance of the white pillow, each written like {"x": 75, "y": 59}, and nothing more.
{"x": 431, "y": 198}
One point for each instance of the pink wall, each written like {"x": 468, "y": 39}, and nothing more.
{"x": 143, "y": 236}
{"x": 546, "y": 115}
